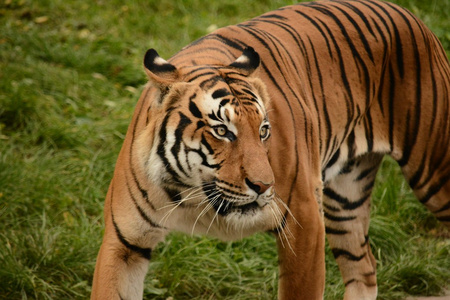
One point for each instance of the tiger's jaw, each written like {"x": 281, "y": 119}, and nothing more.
{"x": 192, "y": 211}
{"x": 243, "y": 220}
{"x": 231, "y": 218}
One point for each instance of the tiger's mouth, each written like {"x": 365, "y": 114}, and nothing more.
{"x": 223, "y": 206}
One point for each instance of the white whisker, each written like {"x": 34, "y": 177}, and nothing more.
{"x": 278, "y": 198}
{"x": 194, "y": 193}
{"x": 285, "y": 230}
{"x": 215, "y": 215}
{"x": 202, "y": 213}
{"x": 209, "y": 204}
{"x": 277, "y": 221}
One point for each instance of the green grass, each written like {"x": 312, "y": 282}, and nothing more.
{"x": 70, "y": 75}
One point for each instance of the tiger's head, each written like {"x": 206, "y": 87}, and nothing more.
{"x": 209, "y": 145}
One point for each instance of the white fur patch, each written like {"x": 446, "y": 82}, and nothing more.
{"x": 160, "y": 61}
{"x": 242, "y": 59}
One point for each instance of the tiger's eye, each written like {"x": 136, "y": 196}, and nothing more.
{"x": 264, "y": 132}
{"x": 221, "y": 130}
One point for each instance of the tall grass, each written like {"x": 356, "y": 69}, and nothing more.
{"x": 70, "y": 75}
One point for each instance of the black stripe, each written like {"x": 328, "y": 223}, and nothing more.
{"x": 144, "y": 252}
{"x": 337, "y": 218}
{"x": 337, "y": 252}
{"x": 385, "y": 48}
{"x": 435, "y": 188}
{"x": 176, "y": 148}
{"x": 213, "y": 116}
{"x": 366, "y": 173}
{"x": 361, "y": 15}
{"x": 205, "y": 159}
{"x": 411, "y": 139}
{"x": 330, "y": 52}
{"x": 355, "y": 52}
{"x": 366, "y": 284}
{"x": 333, "y": 159}
{"x": 349, "y": 282}
{"x": 414, "y": 179}
{"x": 193, "y": 108}
{"x": 174, "y": 195}
{"x": 225, "y": 102}
{"x": 324, "y": 102}
{"x": 201, "y": 75}
{"x": 398, "y": 41}
{"x": 206, "y": 144}
{"x": 368, "y": 126}
{"x": 161, "y": 149}
{"x": 329, "y": 207}
{"x": 349, "y": 100}
{"x": 344, "y": 78}
{"x": 443, "y": 208}
{"x": 210, "y": 83}
{"x": 351, "y": 145}
{"x": 220, "y": 93}
{"x": 392, "y": 88}
{"x": 346, "y": 204}
{"x": 444, "y": 218}
{"x": 139, "y": 208}
{"x": 360, "y": 33}
{"x": 329, "y": 230}
{"x": 348, "y": 167}
{"x": 368, "y": 187}
{"x": 271, "y": 15}
{"x": 366, "y": 241}
{"x": 407, "y": 145}
{"x": 130, "y": 161}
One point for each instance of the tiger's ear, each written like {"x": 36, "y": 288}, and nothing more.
{"x": 248, "y": 62}
{"x": 158, "y": 70}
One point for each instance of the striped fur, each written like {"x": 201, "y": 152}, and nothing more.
{"x": 280, "y": 124}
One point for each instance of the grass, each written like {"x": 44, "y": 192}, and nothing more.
{"x": 70, "y": 77}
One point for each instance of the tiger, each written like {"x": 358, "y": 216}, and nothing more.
{"x": 279, "y": 124}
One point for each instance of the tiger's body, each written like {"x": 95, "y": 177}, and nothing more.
{"x": 227, "y": 141}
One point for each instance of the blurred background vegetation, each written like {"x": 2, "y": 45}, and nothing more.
{"x": 70, "y": 75}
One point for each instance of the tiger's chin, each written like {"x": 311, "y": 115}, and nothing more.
{"x": 251, "y": 218}
{"x": 243, "y": 220}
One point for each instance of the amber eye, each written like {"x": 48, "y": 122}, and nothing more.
{"x": 221, "y": 130}
{"x": 264, "y": 132}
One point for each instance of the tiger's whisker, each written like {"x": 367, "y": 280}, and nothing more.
{"x": 282, "y": 233}
{"x": 277, "y": 222}
{"x": 202, "y": 213}
{"x": 209, "y": 205}
{"x": 193, "y": 194}
{"x": 215, "y": 215}
{"x": 279, "y": 200}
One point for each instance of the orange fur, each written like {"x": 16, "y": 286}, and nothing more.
{"x": 338, "y": 85}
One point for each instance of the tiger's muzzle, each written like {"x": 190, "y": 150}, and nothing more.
{"x": 225, "y": 200}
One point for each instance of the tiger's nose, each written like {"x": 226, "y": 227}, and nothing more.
{"x": 258, "y": 186}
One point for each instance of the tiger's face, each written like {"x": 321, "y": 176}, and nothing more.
{"x": 209, "y": 152}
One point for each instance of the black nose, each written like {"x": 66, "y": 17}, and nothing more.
{"x": 258, "y": 186}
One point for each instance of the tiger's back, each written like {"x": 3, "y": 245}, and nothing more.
{"x": 348, "y": 82}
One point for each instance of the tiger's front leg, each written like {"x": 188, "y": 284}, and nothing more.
{"x": 123, "y": 261}
{"x": 301, "y": 245}
{"x": 119, "y": 272}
